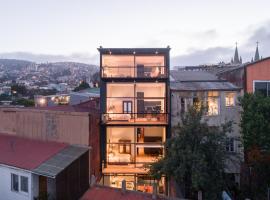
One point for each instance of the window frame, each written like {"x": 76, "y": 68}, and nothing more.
{"x": 19, "y": 183}
{"x": 12, "y": 182}
{"x": 234, "y": 99}
{"x": 267, "y": 86}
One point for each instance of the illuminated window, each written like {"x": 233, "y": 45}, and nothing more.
{"x": 213, "y": 103}
{"x": 230, "y": 99}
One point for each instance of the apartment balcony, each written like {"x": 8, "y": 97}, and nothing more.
{"x": 143, "y": 72}
{"x": 135, "y": 118}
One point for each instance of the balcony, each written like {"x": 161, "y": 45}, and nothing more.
{"x": 144, "y": 72}
{"x": 135, "y": 118}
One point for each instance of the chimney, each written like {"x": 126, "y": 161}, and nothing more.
{"x": 154, "y": 195}
{"x": 124, "y": 188}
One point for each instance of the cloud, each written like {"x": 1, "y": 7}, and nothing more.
{"x": 205, "y": 56}
{"x": 213, "y": 55}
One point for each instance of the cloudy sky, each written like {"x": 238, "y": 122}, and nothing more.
{"x": 198, "y": 31}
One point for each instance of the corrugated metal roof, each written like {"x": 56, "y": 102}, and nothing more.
{"x": 26, "y": 153}
{"x": 107, "y": 193}
{"x": 203, "y": 86}
{"x": 182, "y": 75}
{"x": 57, "y": 163}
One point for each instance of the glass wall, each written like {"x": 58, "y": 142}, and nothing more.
{"x": 129, "y": 66}
{"x": 140, "y": 102}
{"x": 135, "y": 146}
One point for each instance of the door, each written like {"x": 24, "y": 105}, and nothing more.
{"x": 127, "y": 106}
{"x": 43, "y": 187}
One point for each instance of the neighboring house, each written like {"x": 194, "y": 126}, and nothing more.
{"x": 30, "y": 169}
{"x": 254, "y": 76}
{"x": 134, "y": 96}
{"x": 220, "y": 99}
{"x": 72, "y": 98}
{"x": 76, "y": 125}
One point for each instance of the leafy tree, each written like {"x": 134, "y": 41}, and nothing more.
{"x": 195, "y": 156}
{"x": 17, "y": 89}
{"x": 255, "y": 130}
{"x": 83, "y": 85}
{"x": 255, "y": 122}
{"x": 24, "y": 102}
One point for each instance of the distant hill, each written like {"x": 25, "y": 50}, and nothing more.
{"x": 13, "y": 64}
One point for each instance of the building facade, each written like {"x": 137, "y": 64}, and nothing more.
{"x": 135, "y": 114}
{"x": 221, "y": 101}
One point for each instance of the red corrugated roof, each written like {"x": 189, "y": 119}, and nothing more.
{"x": 107, "y": 193}
{"x": 26, "y": 153}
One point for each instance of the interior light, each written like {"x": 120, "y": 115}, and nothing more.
{"x": 134, "y": 52}
{"x": 156, "y": 52}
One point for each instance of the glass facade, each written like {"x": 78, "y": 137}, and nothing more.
{"x": 134, "y": 117}
{"x": 130, "y": 66}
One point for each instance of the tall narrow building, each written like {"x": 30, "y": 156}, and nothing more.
{"x": 135, "y": 115}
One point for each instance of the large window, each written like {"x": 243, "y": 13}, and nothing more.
{"x": 134, "y": 102}
{"x": 19, "y": 183}
{"x": 262, "y": 87}
{"x": 129, "y": 66}
{"x": 136, "y": 145}
{"x": 213, "y": 103}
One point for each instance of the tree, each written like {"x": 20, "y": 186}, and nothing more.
{"x": 17, "y": 89}
{"x": 255, "y": 122}
{"x": 83, "y": 85}
{"x": 255, "y": 131}
{"x": 195, "y": 156}
{"x": 24, "y": 102}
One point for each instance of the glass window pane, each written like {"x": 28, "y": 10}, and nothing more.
{"x": 24, "y": 184}
{"x": 213, "y": 106}
{"x": 118, "y": 60}
{"x": 261, "y": 87}
{"x": 14, "y": 182}
{"x": 230, "y": 99}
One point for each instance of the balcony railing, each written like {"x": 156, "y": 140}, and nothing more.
{"x": 134, "y": 72}
{"x": 127, "y": 118}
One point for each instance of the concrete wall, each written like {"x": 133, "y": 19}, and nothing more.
{"x": 5, "y": 184}
{"x": 226, "y": 114}
{"x": 257, "y": 71}
{"x": 68, "y": 127}
{"x": 80, "y": 128}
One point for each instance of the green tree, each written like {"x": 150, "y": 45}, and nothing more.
{"x": 17, "y": 89}
{"x": 255, "y": 131}
{"x": 24, "y": 102}
{"x": 255, "y": 122}
{"x": 83, "y": 85}
{"x": 195, "y": 156}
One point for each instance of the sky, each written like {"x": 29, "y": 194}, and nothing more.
{"x": 198, "y": 31}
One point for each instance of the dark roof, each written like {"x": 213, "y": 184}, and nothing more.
{"x": 131, "y": 50}
{"x": 25, "y": 153}
{"x": 242, "y": 66}
{"x": 183, "y": 75}
{"x": 107, "y": 193}
{"x": 57, "y": 163}
{"x": 203, "y": 86}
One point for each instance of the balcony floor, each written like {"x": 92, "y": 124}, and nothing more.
{"x": 124, "y": 169}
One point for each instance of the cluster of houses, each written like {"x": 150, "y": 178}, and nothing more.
{"x": 98, "y": 147}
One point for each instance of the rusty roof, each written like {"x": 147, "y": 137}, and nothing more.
{"x": 26, "y": 153}
{"x": 108, "y": 193}
{"x": 203, "y": 86}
